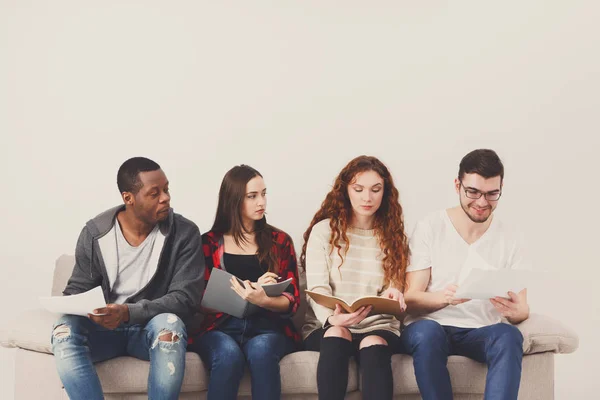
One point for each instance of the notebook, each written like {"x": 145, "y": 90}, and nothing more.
{"x": 219, "y": 295}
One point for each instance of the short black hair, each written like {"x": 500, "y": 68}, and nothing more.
{"x": 484, "y": 162}
{"x": 128, "y": 178}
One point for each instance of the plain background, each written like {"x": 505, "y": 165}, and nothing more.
{"x": 297, "y": 89}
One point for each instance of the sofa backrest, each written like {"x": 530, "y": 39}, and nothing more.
{"x": 62, "y": 273}
{"x": 64, "y": 269}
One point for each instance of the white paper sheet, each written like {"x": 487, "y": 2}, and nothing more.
{"x": 77, "y": 304}
{"x": 487, "y": 283}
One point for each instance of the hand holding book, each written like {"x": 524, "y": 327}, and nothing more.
{"x": 341, "y": 318}
{"x": 395, "y": 294}
{"x": 380, "y": 305}
{"x": 228, "y": 294}
{"x": 253, "y": 293}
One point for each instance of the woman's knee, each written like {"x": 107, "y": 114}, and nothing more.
{"x": 267, "y": 349}
{"x": 222, "y": 351}
{"x": 372, "y": 340}
{"x": 338, "y": 331}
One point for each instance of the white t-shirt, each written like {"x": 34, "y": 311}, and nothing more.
{"x": 135, "y": 266}
{"x": 437, "y": 244}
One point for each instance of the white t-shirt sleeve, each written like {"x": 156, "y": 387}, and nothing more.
{"x": 420, "y": 247}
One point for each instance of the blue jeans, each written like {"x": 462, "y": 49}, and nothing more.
{"x": 500, "y": 346}
{"x": 227, "y": 349}
{"x": 78, "y": 343}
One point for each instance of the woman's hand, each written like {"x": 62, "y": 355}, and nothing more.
{"x": 341, "y": 318}
{"x": 253, "y": 293}
{"x": 395, "y": 294}
{"x": 268, "y": 278}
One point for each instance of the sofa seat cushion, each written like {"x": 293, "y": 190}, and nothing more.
{"x": 298, "y": 375}
{"x": 467, "y": 376}
{"x": 130, "y": 375}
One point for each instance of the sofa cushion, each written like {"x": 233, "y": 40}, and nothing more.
{"x": 542, "y": 333}
{"x": 62, "y": 272}
{"x": 299, "y": 374}
{"x": 127, "y": 375}
{"x": 468, "y": 376}
{"x": 31, "y": 330}
{"x": 130, "y": 375}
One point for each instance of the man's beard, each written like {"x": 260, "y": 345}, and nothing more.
{"x": 477, "y": 220}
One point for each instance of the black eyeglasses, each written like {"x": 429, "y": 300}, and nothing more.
{"x": 476, "y": 194}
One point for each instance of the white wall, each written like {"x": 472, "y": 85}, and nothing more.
{"x": 296, "y": 90}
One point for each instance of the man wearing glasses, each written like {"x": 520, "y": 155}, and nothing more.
{"x": 439, "y": 324}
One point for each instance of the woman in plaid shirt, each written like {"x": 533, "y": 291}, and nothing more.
{"x": 243, "y": 243}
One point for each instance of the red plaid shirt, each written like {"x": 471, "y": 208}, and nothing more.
{"x": 288, "y": 268}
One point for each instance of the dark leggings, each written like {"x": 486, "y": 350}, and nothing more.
{"x": 332, "y": 370}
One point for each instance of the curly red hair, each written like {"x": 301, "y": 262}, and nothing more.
{"x": 388, "y": 225}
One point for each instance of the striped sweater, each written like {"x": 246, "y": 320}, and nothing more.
{"x": 360, "y": 275}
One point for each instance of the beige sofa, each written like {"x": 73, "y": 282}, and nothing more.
{"x": 126, "y": 377}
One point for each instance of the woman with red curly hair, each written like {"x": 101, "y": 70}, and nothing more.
{"x": 355, "y": 246}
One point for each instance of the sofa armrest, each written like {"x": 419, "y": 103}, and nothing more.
{"x": 542, "y": 334}
{"x": 31, "y": 330}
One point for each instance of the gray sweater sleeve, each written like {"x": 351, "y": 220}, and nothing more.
{"x": 83, "y": 277}
{"x": 185, "y": 290}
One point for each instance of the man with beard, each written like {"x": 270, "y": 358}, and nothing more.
{"x": 439, "y": 324}
{"x": 149, "y": 263}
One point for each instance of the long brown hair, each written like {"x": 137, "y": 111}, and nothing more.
{"x": 228, "y": 218}
{"x": 388, "y": 225}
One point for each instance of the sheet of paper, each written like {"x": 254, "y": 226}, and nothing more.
{"x": 77, "y": 304}
{"x": 473, "y": 261}
{"x": 487, "y": 283}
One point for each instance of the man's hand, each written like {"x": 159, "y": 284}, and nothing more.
{"x": 449, "y": 292}
{"x": 115, "y": 314}
{"x": 394, "y": 294}
{"x": 340, "y": 318}
{"x": 515, "y": 310}
{"x": 255, "y": 294}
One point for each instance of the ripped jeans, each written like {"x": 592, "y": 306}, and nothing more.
{"x": 78, "y": 343}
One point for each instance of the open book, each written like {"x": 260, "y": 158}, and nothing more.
{"x": 380, "y": 305}
{"x": 219, "y": 295}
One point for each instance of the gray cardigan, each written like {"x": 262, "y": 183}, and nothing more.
{"x": 177, "y": 284}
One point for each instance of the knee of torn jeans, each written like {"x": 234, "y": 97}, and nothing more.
{"x": 166, "y": 340}
{"x": 168, "y": 336}
{"x": 62, "y": 331}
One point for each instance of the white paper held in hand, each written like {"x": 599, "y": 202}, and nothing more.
{"x": 488, "y": 283}
{"x": 78, "y": 304}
